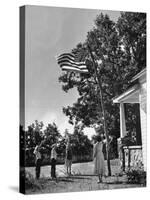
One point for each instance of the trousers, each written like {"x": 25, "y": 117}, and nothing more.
{"x": 53, "y": 168}
{"x": 38, "y": 168}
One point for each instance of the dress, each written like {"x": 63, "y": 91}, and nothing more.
{"x": 53, "y": 162}
{"x": 68, "y": 160}
{"x": 99, "y": 162}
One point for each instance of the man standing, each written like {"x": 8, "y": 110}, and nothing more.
{"x": 37, "y": 160}
{"x": 53, "y": 161}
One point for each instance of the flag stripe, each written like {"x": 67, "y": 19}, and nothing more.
{"x": 68, "y": 61}
{"x": 65, "y": 58}
{"x": 67, "y": 54}
{"x": 71, "y": 65}
{"x": 72, "y": 56}
{"x": 68, "y": 68}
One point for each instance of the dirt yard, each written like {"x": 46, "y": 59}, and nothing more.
{"x": 82, "y": 179}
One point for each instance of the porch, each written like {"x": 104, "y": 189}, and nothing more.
{"x": 133, "y": 155}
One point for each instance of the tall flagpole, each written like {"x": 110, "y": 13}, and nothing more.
{"x": 103, "y": 110}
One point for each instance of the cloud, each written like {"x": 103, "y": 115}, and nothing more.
{"x": 65, "y": 125}
{"x": 61, "y": 121}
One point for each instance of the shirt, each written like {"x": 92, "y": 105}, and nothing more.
{"x": 53, "y": 154}
{"x": 69, "y": 154}
{"x": 37, "y": 153}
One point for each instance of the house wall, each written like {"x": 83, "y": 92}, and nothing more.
{"x": 143, "y": 121}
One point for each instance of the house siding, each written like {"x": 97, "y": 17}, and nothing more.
{"x": 143, "y": 122}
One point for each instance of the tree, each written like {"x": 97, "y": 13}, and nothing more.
{"x": 116, "y": 50}
{"x": 51, "y": 135}
{"x": 80, "y": 143}
{"x": 34, "y": 133}
{"x": 132, "y": 33}
{"x": 87, "y": 109}
{"x": 22, "y": 146}
{"x": 37, "y": 133}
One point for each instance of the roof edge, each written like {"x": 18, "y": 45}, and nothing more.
{"x": 137, "y": 76}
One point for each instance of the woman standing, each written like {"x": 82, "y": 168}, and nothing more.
{"x": 99, "y": 162}
{"x": 68, "y": 161}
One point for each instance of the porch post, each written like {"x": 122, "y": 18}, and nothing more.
{"x": 122, "y": 121}
{"x": 122, "y": 134}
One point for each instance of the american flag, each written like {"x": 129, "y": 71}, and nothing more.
{"x": 71, "y": 62}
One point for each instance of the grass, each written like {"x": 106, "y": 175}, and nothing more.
{"x": 82, "y": 179}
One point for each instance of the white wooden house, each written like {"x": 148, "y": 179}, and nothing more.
{"x": 135, "y": 94}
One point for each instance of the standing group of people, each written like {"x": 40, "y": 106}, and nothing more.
{"x": 98, "y": 158}
{"x": 53, "y": 157}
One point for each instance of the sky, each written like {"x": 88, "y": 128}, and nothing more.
{"x": 50, "y": 31}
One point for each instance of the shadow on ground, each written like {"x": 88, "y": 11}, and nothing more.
{"x": 64, "y": 179}
{"x": 78, "y": 177}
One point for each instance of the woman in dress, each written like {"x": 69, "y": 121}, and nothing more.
{"x": 99, "y": 162}
{"x": 68, "y": 160}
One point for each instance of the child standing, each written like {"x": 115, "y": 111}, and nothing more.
{"x": 37, "y": 160}
{"x": 53, "y": 161}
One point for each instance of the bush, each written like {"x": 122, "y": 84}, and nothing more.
{"x": 128, "y": 141}
{"x": 136, "y": 176}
